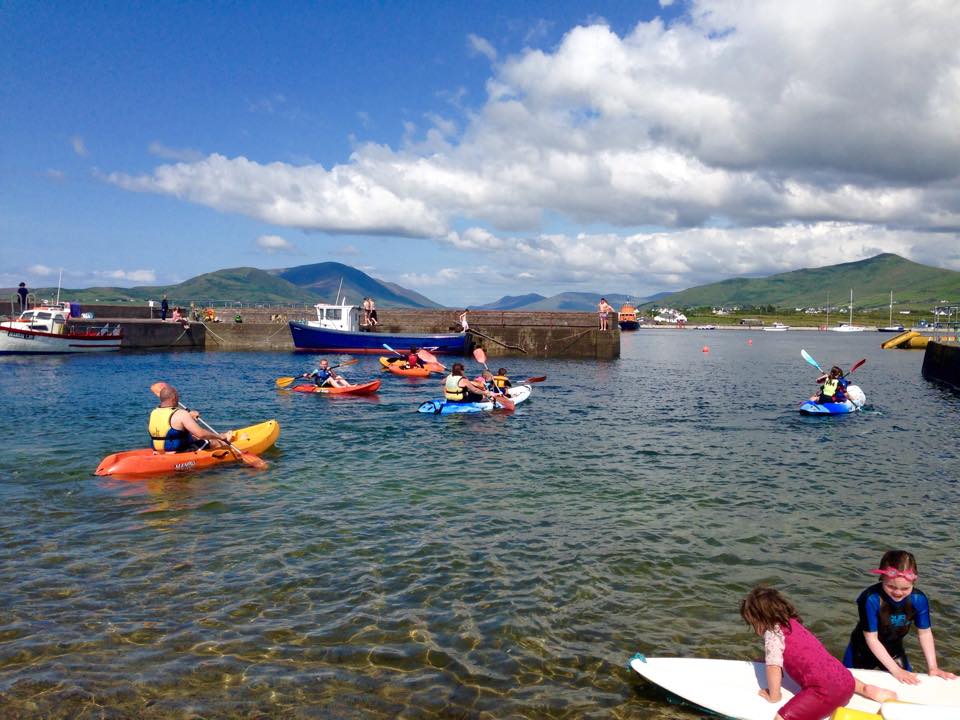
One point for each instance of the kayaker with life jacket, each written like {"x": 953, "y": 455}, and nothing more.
{"x": 458, "y": 388}
{"x": 834, "y": 387}
{"x": 413, "y": 360}
{"x": 175, "y": 429}
{"x": 324, "y": 375}
{"x": 501, "y": 380}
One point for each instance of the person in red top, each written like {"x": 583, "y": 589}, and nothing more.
{"x": 413, "y": 360}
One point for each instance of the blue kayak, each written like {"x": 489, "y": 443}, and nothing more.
{"x": 855, "y": 400}
{"x": 518, "y": 394}
{"x": 815, "y": 408}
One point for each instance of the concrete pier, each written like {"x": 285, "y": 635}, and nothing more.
{"x": 941, "y": 362}
{"x": 499, "y": 333}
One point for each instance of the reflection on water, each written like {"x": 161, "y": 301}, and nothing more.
{"x": 491, "y": 565}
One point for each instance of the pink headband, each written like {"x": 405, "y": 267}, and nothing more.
{"x": 892, "y": 573}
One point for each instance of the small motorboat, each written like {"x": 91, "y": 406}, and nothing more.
{"x": 44, "y": 329}
{"x": 776, "y": 327}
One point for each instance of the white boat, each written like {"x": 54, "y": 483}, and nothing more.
{"x": 890, "y": 326}
{"x": 776, "y": 327}
{"x": 849, "y": 327}
{"x": 43, "y": 329}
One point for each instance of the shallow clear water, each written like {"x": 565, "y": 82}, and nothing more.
{"x": 395, "y": 564}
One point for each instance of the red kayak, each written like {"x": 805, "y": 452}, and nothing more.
{"x": 364, "y": 389}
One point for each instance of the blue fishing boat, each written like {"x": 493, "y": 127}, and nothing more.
{"x": 337, "y": 330}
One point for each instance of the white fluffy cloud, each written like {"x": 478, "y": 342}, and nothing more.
{"x": 42, "y": 270}
{"x": 135, "y": 276}
{"x": 750, "y": 137}
{"x": 274, "y": 243}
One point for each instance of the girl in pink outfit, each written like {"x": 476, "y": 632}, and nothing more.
{"x": 825, "y": 684}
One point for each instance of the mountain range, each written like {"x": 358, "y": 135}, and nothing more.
{"x": 913, "y": 285}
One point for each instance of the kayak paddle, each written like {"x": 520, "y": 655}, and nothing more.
{"x": 806, "y": 356}
{"x": 247, "y": 458}
{"x": 287, "y": 381}
{"x": 539, "y": 378}
{"x": 856, "y": 365}
{"x": 392, "y": 350}
{"x": 481, "y": 357}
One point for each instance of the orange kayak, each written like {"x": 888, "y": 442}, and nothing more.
{"x": 399, "y": 366}
{"x": 364, "y": 389}
{"x": 254, "y": 439}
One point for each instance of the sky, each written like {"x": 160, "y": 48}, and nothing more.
{"x": 470, "y": 150}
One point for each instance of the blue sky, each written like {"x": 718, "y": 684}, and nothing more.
{"x": 472, "y": 150}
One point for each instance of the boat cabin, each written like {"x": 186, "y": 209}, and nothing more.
{"x": 50, "y": 319}
{"x": 337, "y": 317}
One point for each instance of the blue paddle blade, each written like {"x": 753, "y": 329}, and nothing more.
{"x": 806, "y": 356}
{"x": 390, "y": 349}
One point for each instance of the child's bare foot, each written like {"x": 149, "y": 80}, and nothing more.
{"x": 878, "y": 694}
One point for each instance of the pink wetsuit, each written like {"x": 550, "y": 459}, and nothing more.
{"x": 825, "y": 683}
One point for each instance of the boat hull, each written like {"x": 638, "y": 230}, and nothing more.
{"x": 629, "y": 324}
{"x": 518, "y": 393}
{"x": 307, "y": 338}
{"x": 17, "y": 341}
{"x": 142, "y": 462}
{"x": 362, "y": 389}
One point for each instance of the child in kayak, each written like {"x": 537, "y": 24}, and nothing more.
{"x": 833, "y": 389}
{"x": 413, "y": 360}
{"x": 502, "y": 381}
{"x": 825, "y": 684}
{"x": 887, "y": 610}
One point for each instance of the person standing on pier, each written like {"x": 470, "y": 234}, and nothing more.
{"x": 373, "y": 313}
{"x": 464, "y": 325}
{"x": 603, "y": 310}
{"x": 164, "y": 308}
{"x": 22, "y": 293}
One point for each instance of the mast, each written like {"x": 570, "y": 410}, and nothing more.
{"x": 851, "y": 307}
{"x": 59, "y": 282}
{"x": 828, "y": 308}
{"x": 338, "y": 289}
{"x": 890, "y": 320}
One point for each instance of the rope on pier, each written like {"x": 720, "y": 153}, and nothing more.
{"x": 498, "y": 342}
{"x": 571, "y": 338}
{"x": 222, "y": 341}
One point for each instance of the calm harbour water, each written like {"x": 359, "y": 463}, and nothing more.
{"x": 391, "y": 564}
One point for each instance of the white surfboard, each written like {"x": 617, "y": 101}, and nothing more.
{"x": 729, "y": 687}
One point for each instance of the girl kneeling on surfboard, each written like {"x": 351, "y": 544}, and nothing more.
{"x": 825, "y": 684}
{"x": 887, "y": 611}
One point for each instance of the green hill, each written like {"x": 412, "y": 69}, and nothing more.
{"x": 324, "y": 280}
{"x": 306, "y": 284}
{"x": 914, "y": 286}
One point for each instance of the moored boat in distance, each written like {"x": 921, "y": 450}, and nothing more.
{"x": 776, "y": 327}
{"x": 849, "y": 327}
{"x": 627, "y": 317}
{"x": 890, "y": 326}
{"x": 43, "y": 329}
{"x": 337, "y": 329}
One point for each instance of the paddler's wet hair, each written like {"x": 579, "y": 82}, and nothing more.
{"x": 899, "y": 560}
{"x": 765, "y": 607}
{"x": 457, "y": 369}
{"x": 836, "y": 371}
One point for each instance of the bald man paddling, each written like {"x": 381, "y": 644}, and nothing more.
{"x": 175, "y": 429}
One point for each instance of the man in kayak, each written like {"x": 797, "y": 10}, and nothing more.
{"x": 175, "y": 429}
{"x": 324, "y": 375}
{"x": 457, "y": 388}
